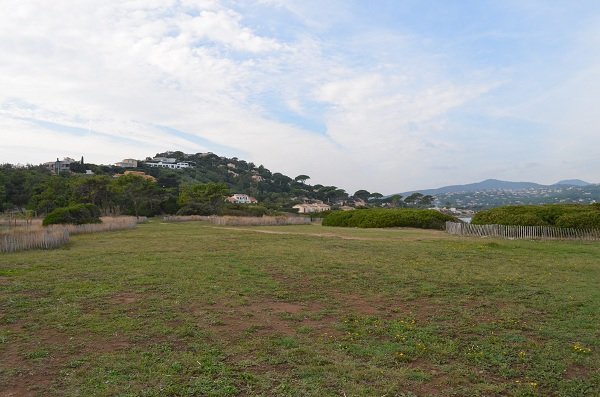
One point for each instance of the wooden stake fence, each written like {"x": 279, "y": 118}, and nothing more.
{"x": 522, "y": 232}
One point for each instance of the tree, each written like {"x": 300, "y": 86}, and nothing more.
{"x": 94, "y": 190}
{"x": 53, "y": 193}
{"x": 134, "y": 192}
{"x": 302, "y": 178}
{"x": 375, "y": 196}
{"x": 362, "y": 195}
{"x": 395, "y": 200}
{"x": 426, "y": 201}
{"x": 202, "y": 199}
{"x": 414, "y": 198}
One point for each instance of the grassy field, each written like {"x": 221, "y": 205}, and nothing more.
{"x": 192, "y": 309}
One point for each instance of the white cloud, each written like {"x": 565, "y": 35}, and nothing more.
{"x": 129, "y": 67}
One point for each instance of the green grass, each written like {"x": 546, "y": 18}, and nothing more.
{"x": 190, "y": 309}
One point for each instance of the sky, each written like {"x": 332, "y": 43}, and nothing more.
{"x": 386, "y": 96}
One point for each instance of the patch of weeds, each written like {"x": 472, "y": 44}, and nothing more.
{"x": 305, "y": 329}
{"x": 287, "y": 342}
{"x": 418, "y": 376}
{"x": 253, "y": 329}
{"x": 37, "y": 354}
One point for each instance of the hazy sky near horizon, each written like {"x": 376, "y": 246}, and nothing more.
{"x": 388, "y": 96}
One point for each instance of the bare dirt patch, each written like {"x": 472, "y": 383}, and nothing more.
{"x": 265, "y": 317}
{"x": 575, "y": 371}
{"x": 36, "y": 364}
{"x": 326, "y": 235}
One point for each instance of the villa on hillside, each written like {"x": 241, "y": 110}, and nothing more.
{"x": 127, "y": 163}
{"x": 166, "y": 162}
{"x": 138, "y": 173}
{"x": 311, "y": 208}
{"x": 58, "y": 166}
{"x": 239, "y": 198}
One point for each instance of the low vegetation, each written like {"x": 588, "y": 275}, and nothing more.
{"x": 193, "y": 309}
{"x": 21, "y": 240}
{"x": 242, "y": 220}
{"x": 559, "y": 215}
{"x": 259, "y": 221}
{"x": 377, "y": 218}
{"x": 76, "y": 214}
{"x": 33, "y": 235}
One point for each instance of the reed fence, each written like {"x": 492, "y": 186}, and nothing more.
{"x": 243, "y": 220}
{"x": 522, "y": 232}
{"x": 36, "y": 236}
{"x": 108, "y": 224}
{"x": 21, "y": 240}
{"x": 185, "y": 218}
{"x": 259, "y": 220}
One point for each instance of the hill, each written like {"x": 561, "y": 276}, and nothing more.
{"x": 493, "y": 192}
{"x": 573, "y": 182}
{"x": 488, "y": 184}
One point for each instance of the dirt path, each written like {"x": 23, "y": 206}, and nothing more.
{"x": 325, "y": 235}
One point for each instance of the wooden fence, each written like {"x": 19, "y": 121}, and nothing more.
{"x": 522, "y": 232}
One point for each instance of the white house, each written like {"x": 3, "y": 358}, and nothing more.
{"x": 239, "y": 198}
{"x": 175, "y": 166}
{"x": 311, "y": 208}
{"x": 59, "y": 166}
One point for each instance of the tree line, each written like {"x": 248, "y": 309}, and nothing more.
{"x": 200, "y": 189}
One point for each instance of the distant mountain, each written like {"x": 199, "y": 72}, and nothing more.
{"x": 488, "y": 184}
{"x": 493, "y": 193}
{"x": 573, "y": 182}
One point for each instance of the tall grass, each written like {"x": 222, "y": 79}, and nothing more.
{"x": 242, "y": 220}
{"x": 185, "y": 218}
{"x": 108, "y": 224}
{"x": 36, "y": 236}
{"x": 20, "y": 240}
{"x": 259, "y": 221}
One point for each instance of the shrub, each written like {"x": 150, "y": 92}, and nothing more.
{"x": 559, "y": 215}
{"x": 197, "y": 209}
{"x": 244, "y": 210}
{"x": 77, "y": 214}
{"x": 404, "y": 217}
{"x": 582, "y": 220}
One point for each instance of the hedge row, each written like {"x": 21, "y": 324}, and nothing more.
{"x": 403, "y": 217}
{"x": 77, "y": 214}
{"x": 559, "y": 215}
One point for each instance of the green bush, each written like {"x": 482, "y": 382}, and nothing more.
{"x": 559, "y": 215}
{"x": 244, "y": 210}
{"x": 403, "y": 217}
{"x": 77, "y": 214}
{"x": 197, "y": 209}
{"x": 582, "y": 220}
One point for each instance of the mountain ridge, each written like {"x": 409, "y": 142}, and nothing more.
{"x": 495, "y": 184}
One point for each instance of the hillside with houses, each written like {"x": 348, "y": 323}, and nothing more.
{"x": 168, "y": 181}
{"x": 172, "y": 182}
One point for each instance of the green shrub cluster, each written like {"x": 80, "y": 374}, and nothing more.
{"x": 244, "y": 210}
{"x": 77, "y": 214}
{"x": 402, "y": 217}
{"x": 559, "y": 215}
